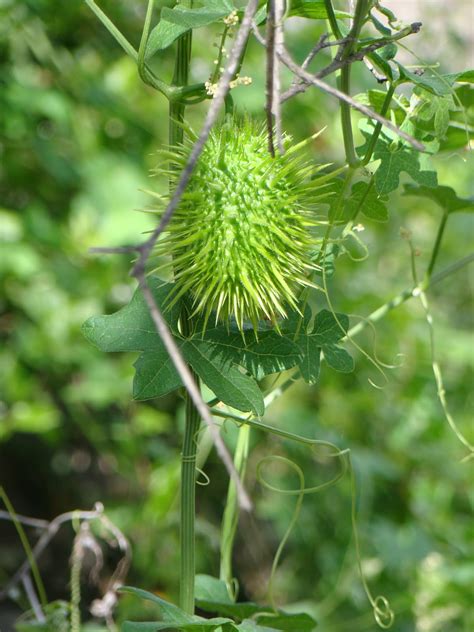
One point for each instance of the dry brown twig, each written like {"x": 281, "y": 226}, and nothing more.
{"x": 313, "y": 80}
{"x": 50, "y": 529}
{"x": 338, "y": 62}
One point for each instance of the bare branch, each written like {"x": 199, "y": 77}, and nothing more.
{"x": 312, "y": 80}
{"x": 50, "y": 530}
{"x": 339, "y": 61}
{"x": 279, "y": 46}
{"x": 29, "y": 522}
{"x": 33, "y": 598}
{"x": 270, "y": 74}
{"x": 320, "y": 44}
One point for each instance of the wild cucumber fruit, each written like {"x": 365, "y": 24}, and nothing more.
{"x": 240, "y": 239}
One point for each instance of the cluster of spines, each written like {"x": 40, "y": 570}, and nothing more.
{"x": 241, "y": 237}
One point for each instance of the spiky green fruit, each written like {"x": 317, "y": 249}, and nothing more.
{"x": 241, "y": 237}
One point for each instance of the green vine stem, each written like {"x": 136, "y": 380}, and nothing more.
{"x": 188, "y": 507}
{"x": 332, "y": 19}
{"x": 192, "y": 421}
{"x": 436, "y": 247}
{"x": 345, "y": 81}
{"x": 231, "y": 512}
{"x": 378, "y": 126}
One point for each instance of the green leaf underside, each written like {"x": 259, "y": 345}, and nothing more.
{"x": 132, "y": 328}
{"x": 178, "y": 20}
{"x": 396, "y": 158}
{"x": 269, "y": 353}
{"x": 212, "y": 596}
{"x": 219, "y": 356}
{"x": 338, "y": 359}
{"x": 240, "y": 611}
{"x": 248, "y": 625}
{"x": 195, "y": 626}
{"x": 155, "y": 375}
{"x": 438, "y": 84}
{"x": 211, "y": 589}
{"x": 232, "y": 387}
{"x": 373, "y": 205}
{"x": 443, "y": 196}
{"x": 285, "y": 621}
{"x": 173, "y": 618}
{"x": 313, "y": 9}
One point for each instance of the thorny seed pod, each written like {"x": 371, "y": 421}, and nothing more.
{"x": 241, "y": 237}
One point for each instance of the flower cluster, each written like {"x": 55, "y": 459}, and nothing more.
{"x": 232, "y": 19}
{"x": 211, "y": 88}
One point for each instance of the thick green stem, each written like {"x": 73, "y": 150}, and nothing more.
{"x": 345, "y": 81}
{"x": 231, "y": 512}
{"x": 180, "y": 78}
{"x": 193, "y": 421}
{"x": 188, "y": 507}
{"x": 346, "y": 124}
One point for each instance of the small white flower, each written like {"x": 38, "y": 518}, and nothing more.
{"x": 232, "y": 19}
{"x": 211, "y": 88}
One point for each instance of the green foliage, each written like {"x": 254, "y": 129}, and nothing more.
{"x": 313, "y": 9}
{"x": 371, "y": 204}
{"x": 395, "y": 158}
{"x": 179, "y": 20}
{"x": 445, "y": 197}
{"x": 78, "y": 136}
{"x": 212, "y": 597}
{"x": 216, "y": 354}
{"x": 57, "y": 616}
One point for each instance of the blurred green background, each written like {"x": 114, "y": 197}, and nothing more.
{"x": 79, "y": 135}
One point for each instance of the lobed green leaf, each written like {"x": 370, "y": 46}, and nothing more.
{"x": 338, "y": 359}
{"x": 230, "y": 385}
{"x": 371, "y": 203}
{"x": 155, "y": 375}
{"x": 438, "y": 84}
{"x": 132, "y": 328}
{"x": 396, "y": 158}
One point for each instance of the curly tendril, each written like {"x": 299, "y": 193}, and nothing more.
{"x": 383, "y": 614}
